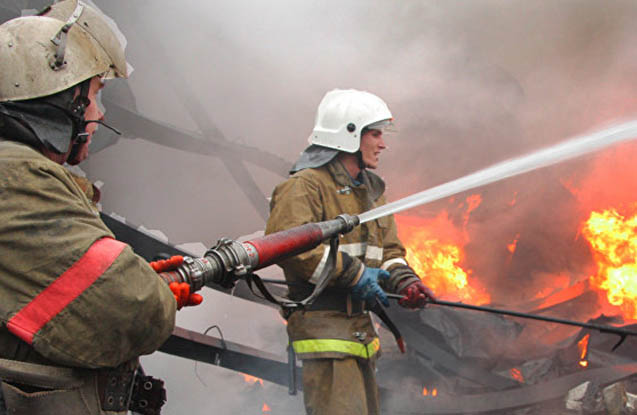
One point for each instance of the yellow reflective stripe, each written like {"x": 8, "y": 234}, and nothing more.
{"x": 338, "y": 346}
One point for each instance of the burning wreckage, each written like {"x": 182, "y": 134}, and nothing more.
{"x": 460, "y": 361}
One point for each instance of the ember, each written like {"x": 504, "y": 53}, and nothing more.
{"x": 582, "y": 346}
{"x": 426, "y": 392}
{"x": 514, "y": 200}
{"x": 252, "y": 379}
{"x": 511, "y": 247}
{"x": 517, "y": 375}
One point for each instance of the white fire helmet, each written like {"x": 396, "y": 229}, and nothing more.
{"x": 343, "y": 114}
{"x": 69, "y": 43}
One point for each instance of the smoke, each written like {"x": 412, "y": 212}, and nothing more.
{"x": 469, "y": 83}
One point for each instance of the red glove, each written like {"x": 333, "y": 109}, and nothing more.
{"x": 416, "y": 295}
{"x": 181, "y": 291}
{"x": 169, "y": 264}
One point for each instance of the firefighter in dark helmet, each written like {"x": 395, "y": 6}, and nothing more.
{"x": 77, "y": 307}
{"x": 335, "y": 337}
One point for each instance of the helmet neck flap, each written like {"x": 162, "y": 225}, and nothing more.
{"x": 312, "y": 157}
{"x": 54, "y": 121}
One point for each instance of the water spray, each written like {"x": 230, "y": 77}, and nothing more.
{"x": 567, "y": 150}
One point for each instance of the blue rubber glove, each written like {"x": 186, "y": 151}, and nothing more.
{"x": 367, "y": 287}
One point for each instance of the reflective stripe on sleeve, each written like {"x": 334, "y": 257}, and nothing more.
{"x": 365, "y": 351}
{"x": 391, "y": 262}
{"x": 68, "y": 286}
{"x": 361, "y": 249}
{"x": 374, "y": 253}
{"x": 319, "y": 268}
{"x": 356, "y": 249}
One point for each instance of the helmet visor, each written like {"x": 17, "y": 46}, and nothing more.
{"x": 386, "y": 126}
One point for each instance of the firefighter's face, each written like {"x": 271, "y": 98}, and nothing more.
{"x": 93, "y": 111}
{"x": 372, "y": 144}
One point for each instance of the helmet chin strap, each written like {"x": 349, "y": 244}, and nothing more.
{"x": 78, "y": 110}
{"x": 359, "y": 153}
{"x": 81, "y": 140}
{"x": 361, "y": 163}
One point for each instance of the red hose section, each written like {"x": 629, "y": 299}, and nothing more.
{"x": 280, "y": 245}
{"x": 170, "y": 276}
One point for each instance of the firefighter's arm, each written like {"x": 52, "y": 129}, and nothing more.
{"x": 403, "y": 279}
{"x": 89, "y": 300}
{"x": 296, "y": 202}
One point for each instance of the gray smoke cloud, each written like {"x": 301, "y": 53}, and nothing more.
{"x": 469, "y": 83}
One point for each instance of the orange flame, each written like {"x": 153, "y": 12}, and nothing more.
{"x": 517, "y": 375}
{"x": 613, "y": 240}
{"x": 284, "y": 321}
{"x": 252, "y": 379}
{"x": 511, "y": 247}
{"x": 582, "y": 345}
{"x": 425, "y": 392}
{"x": 435, "y": 251}
{"x": 514, "y": 200}
{"x": 473, "y": 202}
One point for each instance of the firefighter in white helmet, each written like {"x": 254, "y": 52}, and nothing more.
{"x": 77, "y": 307}
{"x": 335, "y": 336}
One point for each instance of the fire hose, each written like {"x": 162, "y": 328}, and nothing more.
{"x": 230, "y": 260}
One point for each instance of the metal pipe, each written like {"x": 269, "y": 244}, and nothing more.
{"x": 603, "y": 329}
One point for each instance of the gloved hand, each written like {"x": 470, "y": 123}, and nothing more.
{"x": 416, "y": 295}
{"x": 367, "y": 287}
{"x": 181, "y": 291}
{"x": 165, "y": 265}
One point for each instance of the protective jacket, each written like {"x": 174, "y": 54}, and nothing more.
{"x": 336, "y": 328}
{"x": 71, "y": 296}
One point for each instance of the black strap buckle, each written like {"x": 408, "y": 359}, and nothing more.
{"x": 149, "y": 395}
{"x": 115, "y": 388}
